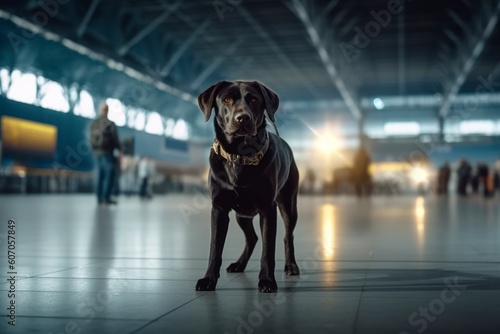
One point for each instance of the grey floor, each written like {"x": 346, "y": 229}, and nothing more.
{"x": 392, "y": 265}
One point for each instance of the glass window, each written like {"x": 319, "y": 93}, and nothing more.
{"x": 5, "y": 79}
{"x": 484, "y": 127}
{"x": 23, "y": 88}
{"x": 53, "y": 96}
{"x": 180, "y": 130}
{"x": 401, "y": 128}
{"x": 154, "y": 124}
{"x": 131, "y": 115}
{"x": 85, "y": 106}
{"x": 116, "y": 111}
{"x": 169, "y": 127}
{"x": 140, "y": 120}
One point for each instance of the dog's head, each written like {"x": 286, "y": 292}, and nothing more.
{"x": 239, "y": 106}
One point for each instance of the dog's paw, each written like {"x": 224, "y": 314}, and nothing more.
{"x": 206, "y": 284}
{"x": 267, "y": 286}
{"x": 235, "y": 267}
{"x": 292, "y": 269}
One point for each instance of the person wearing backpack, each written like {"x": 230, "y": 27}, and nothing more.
{"x": 105, "y": 143}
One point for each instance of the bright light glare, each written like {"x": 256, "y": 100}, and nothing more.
{"x": 328, "y": 222}
{"x": 419, "y": 175}
{"x": 327, "y": 143}
{"x": 402, "y": 128}
{"x": 378, "y": 103}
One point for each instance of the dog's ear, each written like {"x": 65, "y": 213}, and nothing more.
{"x": 271, "y": 99}
{"x": 206, "y": 99}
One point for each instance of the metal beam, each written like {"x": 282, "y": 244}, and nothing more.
{"x": 401, "y": 50}
{"x": 183, "y": 48}
{"x": 470, "y": 60}
{"x": 83, "y": 26}
{"x": 458, "y": 20}
{"x": 97, "y": 56}
{"x": 330, "y": 6}
{"x": 214, "y": 65}
{"x": 332, "y": 70}
{"x": 453, "y": 38}
{"x": 149, "y": 28}
{"x": 276, "y": 49}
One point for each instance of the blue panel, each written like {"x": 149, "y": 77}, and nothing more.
{"x": 178, "y": 145}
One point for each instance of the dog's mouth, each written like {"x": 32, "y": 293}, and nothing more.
{"x": 241, "y": 131}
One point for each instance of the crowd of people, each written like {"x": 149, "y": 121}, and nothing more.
{"x": 480, "y": 178}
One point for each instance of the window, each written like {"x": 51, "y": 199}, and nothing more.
{"x": 23, "y": 88}
{"x": 4, "y": 79}
{"x": 154, "y": 124}
{"x": 116, "y": 111}
{"x": 180, "y": 130}
{"x": 140, "y": 120}
{"x": 131, "y": 114}
{"x": 484, "y": 127}
{"x": 85, "y": 106}
{"x": 53, "y": 96}
{"x": 401, "y": 128}
{"x": 169, "y": 127}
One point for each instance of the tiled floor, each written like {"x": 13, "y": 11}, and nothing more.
{"x": 388, "y": 265}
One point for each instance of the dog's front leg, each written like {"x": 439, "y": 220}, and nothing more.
{"x": 220, "y": 223}
{"x": 267, "y": 282}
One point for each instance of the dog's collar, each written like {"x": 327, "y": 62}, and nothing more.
{"x": 249, "y": 160}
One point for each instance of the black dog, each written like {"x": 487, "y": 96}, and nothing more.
{"x": 252, "y": 171}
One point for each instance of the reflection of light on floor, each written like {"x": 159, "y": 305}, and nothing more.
{"x": 420, "y": 219}
{"x": 328, "y": 230}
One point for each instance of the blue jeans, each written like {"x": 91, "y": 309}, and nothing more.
{"x": 106, "y": 169}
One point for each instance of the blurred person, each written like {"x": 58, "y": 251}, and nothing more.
{"x": 309, "y": 181}
{"x": 360, "y": 172}
{"x": 464, "y": 174}
{"x": 485, "y": 179}
{"x": 443, "y": 179}
{"x": 129, "y": 174}
{"x": 496, "y": 176}
{"x": 474, "y": 181}
{"x": 105, "y": 144}
{"x": 496, "y": 181}
{"x": 146, "y": 172}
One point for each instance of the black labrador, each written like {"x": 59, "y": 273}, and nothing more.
{"x": 252, "y": 171}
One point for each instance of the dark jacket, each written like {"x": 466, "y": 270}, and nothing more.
{"x": 103, "y": 136}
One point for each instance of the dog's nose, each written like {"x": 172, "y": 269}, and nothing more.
{"x": 243, "y": 118}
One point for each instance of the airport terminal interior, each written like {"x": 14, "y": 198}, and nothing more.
{"x": 110, "y": 112}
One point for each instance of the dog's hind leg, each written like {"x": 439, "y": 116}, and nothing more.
{"x": 250, "y": 241}
{"x": 287, "y": 203}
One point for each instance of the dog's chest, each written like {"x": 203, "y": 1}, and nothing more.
{"x": 239, "y": 176}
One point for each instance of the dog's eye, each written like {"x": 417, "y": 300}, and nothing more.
{"x": 253, "y": 100}
{"x": 227, "y": 100}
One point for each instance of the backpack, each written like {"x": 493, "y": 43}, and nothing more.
{"x": 101, "y": 135}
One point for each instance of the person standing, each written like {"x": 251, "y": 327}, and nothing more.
{"x": 146, "y": 172}
{"x": 464, "y": 173}
{"x": 360, "y": 172}
{"x": 105, "y": 144}
{"x": 443, "y": 179}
